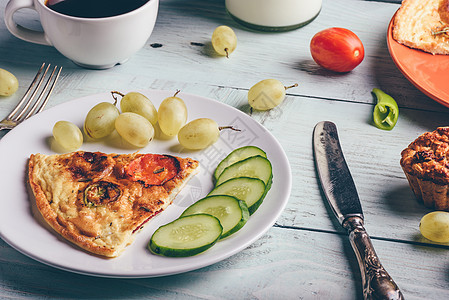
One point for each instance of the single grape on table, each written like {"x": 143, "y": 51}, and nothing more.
{"x": 8, "y": 83}
{"x": 224, "y": 40}
{"x": 67, "y": 135}
{"x": 435, "y": 226}
{"x": 267, "y": 94}
{"x": 172, "y": 115}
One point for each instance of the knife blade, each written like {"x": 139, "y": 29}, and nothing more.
{"x": 341, "y": 193}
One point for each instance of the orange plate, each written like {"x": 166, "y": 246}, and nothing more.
{"x": 429, "y": 73}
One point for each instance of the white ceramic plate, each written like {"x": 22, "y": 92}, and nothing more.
{"x": 24, "y": 230}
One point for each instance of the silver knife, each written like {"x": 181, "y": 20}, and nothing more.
{"x": 339, "y": 188}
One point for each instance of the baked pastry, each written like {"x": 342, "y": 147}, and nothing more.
{"x": 99, "y": 201}
{"x": 424, "y": 25}
{"x": 426, "y": 165}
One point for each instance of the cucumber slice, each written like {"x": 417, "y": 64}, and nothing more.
{"x": 250, "y": 190}
{"x": 186, "y": 236}
{"x": 237, "y": 155}
{"x": 232, "y": 212}
{"x": 254, "y": 167}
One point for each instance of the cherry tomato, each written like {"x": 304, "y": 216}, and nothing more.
{"x": 337, "y": 49}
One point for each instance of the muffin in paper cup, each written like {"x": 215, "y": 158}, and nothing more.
{"x": 425, "y": 163}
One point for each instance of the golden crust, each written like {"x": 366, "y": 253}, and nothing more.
{"x": 106, "y": 227}
{"x": 416, "y": 22}
{"x": 426, "y": 165}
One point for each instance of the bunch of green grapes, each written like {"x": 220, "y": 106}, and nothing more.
{"x": 134, "y": 124}
{"x": 267, "y": 94}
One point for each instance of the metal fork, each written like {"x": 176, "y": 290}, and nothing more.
{"x": 24, "y": 108}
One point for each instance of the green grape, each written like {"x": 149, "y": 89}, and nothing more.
{"x": 199, "y": 134}
{"x": 134, "y": 129}
{"x": 435, "y": 226}
{"x": 172, "y": 115}
{"x": 138, "y": 103}
{"x": 68, "y": 135}
{"x": 100, "y": 120}
{"x": 224, "y": 40}
{"x": 267, "y": 94}
{"x": 8, "y": 83}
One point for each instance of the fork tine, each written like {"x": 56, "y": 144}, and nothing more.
{"x": 39, "y": 105}
{"x": 23, "y": 111}
{"x": 19, "y": 117}
{"x": 16, "y": 109}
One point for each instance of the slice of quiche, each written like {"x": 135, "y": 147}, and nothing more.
{"x": 99, "y": 201}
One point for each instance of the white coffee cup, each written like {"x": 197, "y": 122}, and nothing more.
{"x": 97, "y": 43}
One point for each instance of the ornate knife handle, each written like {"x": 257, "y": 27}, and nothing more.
{"x": 377, "y": 283}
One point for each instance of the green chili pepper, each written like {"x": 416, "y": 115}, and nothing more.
{"x": 386, "y": 111}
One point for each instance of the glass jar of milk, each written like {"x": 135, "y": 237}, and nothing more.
{"x": 273, "y": 15}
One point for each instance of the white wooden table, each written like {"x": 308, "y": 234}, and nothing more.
{"x": 305, "y": 255}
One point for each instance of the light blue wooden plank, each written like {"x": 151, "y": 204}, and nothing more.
{"x": 287, "y": 264}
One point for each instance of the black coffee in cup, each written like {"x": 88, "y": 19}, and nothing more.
{"x": 94, "y": 8}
